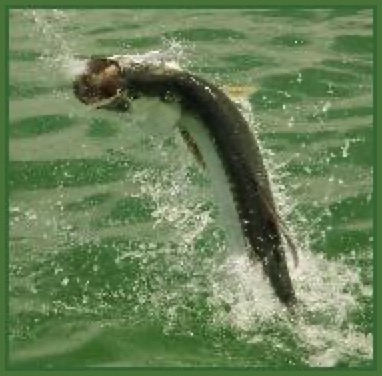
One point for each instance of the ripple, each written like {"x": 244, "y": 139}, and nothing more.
{"x": 88, "y": 202}
{"x": 40, "y": 125}
{"x": 355, "y": 66}
{"x": 24, "y": 55}
{"x": 129, "y": 210}
{"x": 101, "y": 128}
{"x": 64, "y": 173}
{"x": 346, "y": 112}
{"x": 247, "y": 61}
{"x": 339, "y": 241}
{"x": 294, "y": 13}
{"x": 290, "y": 40}
{"x": 102, "y": 30}
{"x": 129, "y": 42}
{"x": 91, "y": 274}
{"x": 354, "y": 44}
{"x": 360, "y": 148}
{"x": 27, "y": 90}
{"x": 201, "y": 35}
{"x": 357, "y": 207}
{"x": 312, "y": 82}
{"x": 343, "y": 12}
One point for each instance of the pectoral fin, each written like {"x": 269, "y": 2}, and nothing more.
{"x": 192, "y": 146}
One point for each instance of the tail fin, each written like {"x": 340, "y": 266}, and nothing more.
{"x": 275, "y": 265}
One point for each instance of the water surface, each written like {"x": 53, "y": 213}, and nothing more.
{"x": 117, "y": 256}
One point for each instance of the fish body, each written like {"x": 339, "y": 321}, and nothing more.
{"x": 237, "y": 151}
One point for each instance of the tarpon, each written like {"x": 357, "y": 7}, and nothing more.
{"x": 107, "y": 84}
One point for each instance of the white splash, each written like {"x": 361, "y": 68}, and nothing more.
{"x": 58, "y": 49}
{"x": 328, "y": 290}
{"x": 73, "y": 67}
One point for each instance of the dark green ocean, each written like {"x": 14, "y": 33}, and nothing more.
{"x": 116, "y": 253}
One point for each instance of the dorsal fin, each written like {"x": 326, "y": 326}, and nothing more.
{"x": 192, "y": 146}
{"x": 237, "y": 93}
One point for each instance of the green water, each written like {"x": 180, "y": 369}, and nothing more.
{"x": 116, "y": 254}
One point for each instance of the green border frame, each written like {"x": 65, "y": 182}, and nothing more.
{"x": 376, "y": 5}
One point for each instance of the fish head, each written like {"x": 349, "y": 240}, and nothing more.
{"x": 101, "y": 84}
